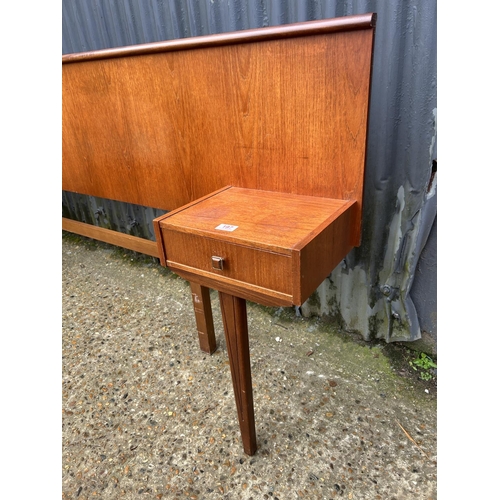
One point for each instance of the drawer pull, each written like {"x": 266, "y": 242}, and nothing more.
{"x": 217, "y": 263}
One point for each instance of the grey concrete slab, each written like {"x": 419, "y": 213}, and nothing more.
{"x": 146, "y": 414}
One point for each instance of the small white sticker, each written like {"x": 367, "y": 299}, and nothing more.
{"x": 226, "y": 227}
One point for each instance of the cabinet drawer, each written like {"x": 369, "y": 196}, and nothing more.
{"x": 240, "y": 264}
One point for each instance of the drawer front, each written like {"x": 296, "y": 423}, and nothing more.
{"x": 257, "y": 267}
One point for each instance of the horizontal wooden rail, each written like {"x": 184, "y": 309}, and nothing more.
{"x": 134, "y": 243}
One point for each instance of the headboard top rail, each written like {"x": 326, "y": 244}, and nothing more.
{"x": 307, "y": 28}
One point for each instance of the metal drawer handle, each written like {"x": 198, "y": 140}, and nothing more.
{"x": 217, "y": 263}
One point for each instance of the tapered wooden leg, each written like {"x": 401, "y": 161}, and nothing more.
{"x": 234, "y": 317}
{"x": 203, "y": 315}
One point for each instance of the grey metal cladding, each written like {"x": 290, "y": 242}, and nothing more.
{"x": 370, "y": 292}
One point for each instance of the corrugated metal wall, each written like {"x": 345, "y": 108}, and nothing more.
{"x": 387, "y": 287}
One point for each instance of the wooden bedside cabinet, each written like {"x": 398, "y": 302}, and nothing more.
{"x": 268, "y": 247}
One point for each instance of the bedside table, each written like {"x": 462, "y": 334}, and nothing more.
{"x": 268, "y": 247}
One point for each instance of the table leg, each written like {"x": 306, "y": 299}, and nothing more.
{"x": 234, "y": 317}
{"x": 204, "y": 320}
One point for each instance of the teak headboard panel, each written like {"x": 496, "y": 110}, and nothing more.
{"x": 280, "y": 109}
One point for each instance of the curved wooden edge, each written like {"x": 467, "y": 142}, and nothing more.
{"x": 346, "y": 23}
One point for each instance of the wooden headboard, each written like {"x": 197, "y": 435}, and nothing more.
{"x": 281, "y": 109}
{"x": 270, "y": 114}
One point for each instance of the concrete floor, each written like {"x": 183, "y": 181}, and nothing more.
{"x": 146, "y": 414}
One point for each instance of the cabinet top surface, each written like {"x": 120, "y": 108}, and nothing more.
{"x": 276, "y": 221}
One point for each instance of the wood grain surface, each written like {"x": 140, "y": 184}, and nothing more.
{"x": 277, "y": 222}
{"x": 134, "y": 243}
{"x": 162, "y": 129}
{"x": 277, "y": 245}
{"x": 234, "y": 318}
